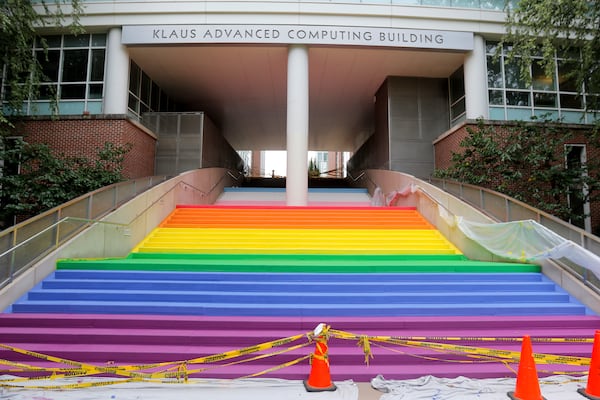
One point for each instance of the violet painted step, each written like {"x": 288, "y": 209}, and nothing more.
{"x": 133, "y": 339}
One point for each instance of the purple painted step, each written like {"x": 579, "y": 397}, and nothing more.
{"x": 129, "y": 339}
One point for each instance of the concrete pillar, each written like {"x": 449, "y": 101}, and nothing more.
{"x": 257, "y": 163}
{"x": 476, "y": 97}
{"x": 297, "y": 126}
{"x": 116, "y": 78}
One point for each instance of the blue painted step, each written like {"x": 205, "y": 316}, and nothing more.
{"x": 298, "y": 294}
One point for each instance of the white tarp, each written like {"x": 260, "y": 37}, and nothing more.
{"x": 208, "y": 389}
{"x": 527, "y": 241}
{"x": 428, "y": 388}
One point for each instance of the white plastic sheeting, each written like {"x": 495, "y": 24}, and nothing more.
{"x": 209, "y": 389}
{"x": 558, "y": 387}
{"x": 527, "y": 241}
{"x": 523, "y": 241}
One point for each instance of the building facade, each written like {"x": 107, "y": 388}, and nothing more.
{"x": 391, "y": 81}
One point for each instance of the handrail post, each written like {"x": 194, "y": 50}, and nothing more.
{"x": 12, "y": 261}
{"x": 57, "y": 230}
{"x": 89, "y": 207}
{"x": 115, "y": 196}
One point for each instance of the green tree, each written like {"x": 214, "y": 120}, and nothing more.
{"x": 539, "y": 29}
{"x": 526, "y": 161}
{"x": 20, "y": 22}
{"x": 33, "y": 179}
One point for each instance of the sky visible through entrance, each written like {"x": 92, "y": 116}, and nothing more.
{"x": 276, "y": 161}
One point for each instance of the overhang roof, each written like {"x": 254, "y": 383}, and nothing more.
{"x": 242, "y": 88}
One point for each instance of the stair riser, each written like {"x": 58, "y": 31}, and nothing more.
{"x": 403, "y": 326}
{"x": 299, "y": 287}
{"x": 316, "y": 310}
{"x": 303, "y": 298}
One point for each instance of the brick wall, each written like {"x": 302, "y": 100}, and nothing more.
{"x": 450, "y": 143}
{"x": 85, "y": 136}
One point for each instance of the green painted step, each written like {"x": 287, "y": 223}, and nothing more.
{"x": 294, "y": 263}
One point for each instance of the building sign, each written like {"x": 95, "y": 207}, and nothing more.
{"x": 297, "y": 34}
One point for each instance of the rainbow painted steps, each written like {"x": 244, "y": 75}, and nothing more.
{"x": 203, "y": 282}
{"x": 295, "y": 230}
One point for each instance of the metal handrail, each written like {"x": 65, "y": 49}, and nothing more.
{"x": 20, "y": 245}
{"x": 41, "y": 240}
{"x": 504, "y": 208}
{"x": 88, "y": 222}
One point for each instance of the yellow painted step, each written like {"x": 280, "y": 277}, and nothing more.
{"x": 329, "y": 241}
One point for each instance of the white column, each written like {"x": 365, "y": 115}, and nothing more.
{"x": 476, "y": 97}
{"x": 297, "y": 126}
{"x": 116, "y": 77}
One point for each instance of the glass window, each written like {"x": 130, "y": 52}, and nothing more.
{"x": 457, "y": 85}
{"x": 521, "y": 99}
{"x": 458, "y": 108}
{"x": 540, "y": 80}
{"x": 495, "y": 97}
{"x": 47, "y": 92}
{"x": 465, "y": 3}
{"x": 97, "y": 67}
{"x": 592, "y": 102}
{"x": 72, "y": 92}
{"x": 99, "y": 40}
{"x": 544, "y": 100}
{"x": 444, "y": 3}
{"x": 494, "y": 73}
{"x": 512, "y": 70}
{"x": 145, "y": 88}
{"x": 134, "y": 78}
{"x": 50, "y": 63}
{"x": 75, "y": 65}
{"x": 51, "y": 42}
{"x": 95, "y": 91}
{"x": 556, "y": 92}
{"x": 491, "y": 47}
{"x": 77, "y": 41}
{"x": 493, "y": 4}
{"x": 68, "y": 65}
{"x": 572, "y": 101}
{"x": 566, "y": 82}
{"x": 133, "y": 104}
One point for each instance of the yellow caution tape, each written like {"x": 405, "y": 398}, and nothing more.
{"x": 347, "y": 335}
{"x": 179, "y": 371}
{"x": 470, "y": 350}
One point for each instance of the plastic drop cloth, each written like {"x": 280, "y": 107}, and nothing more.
{"x": 527, "y": 241}
{"x": 523, "y": 241}
{"x": 559, "y": 387}
{"x": 209, "y": 389}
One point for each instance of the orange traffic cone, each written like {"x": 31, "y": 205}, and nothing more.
{"x": 319, "y": 379}
{"x": 528, "y": 386}
{"x": 592, "y": 391}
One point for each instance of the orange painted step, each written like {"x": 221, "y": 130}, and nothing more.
{"x": 295, "y": 217}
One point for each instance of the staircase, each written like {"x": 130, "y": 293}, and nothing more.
{"x": 210, "y": 279}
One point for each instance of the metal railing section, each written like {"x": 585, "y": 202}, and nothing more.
{"x": 503, "y": 208}
{"x": 27, "y": 242}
